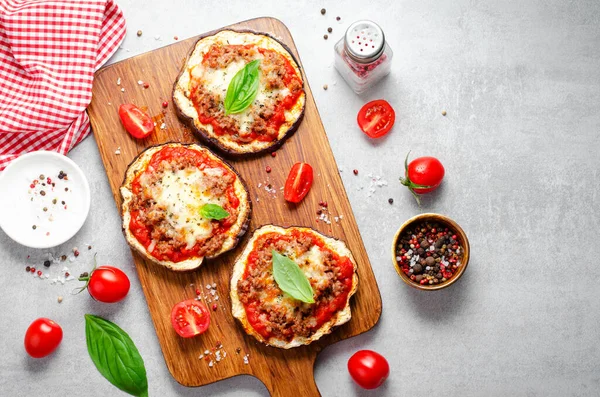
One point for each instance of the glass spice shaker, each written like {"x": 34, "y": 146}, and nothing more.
{"x": 362, "y": 56}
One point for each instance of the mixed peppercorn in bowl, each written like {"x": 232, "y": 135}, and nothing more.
{"x": 430, "y": 251}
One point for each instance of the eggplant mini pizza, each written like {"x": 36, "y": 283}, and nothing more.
{"x": 181, "y": 204}
{"x": 242, "y": 92}
{"x": 292, "y": 286}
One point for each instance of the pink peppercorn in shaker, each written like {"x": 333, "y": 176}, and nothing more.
{"x": 362, "y": 56}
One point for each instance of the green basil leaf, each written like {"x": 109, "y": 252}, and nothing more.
{"x": 115, "y": 356}
{"x": 291, "y": 279}
{"x": 213, "y": 211}
{"x": 242, "y": 89}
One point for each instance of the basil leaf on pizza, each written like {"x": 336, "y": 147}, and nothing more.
{"x": 213, "y": 211}
{"x": 242, "y": 89}
{"x": 291, "y": 279}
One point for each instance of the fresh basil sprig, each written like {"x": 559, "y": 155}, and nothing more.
{"x": 213, "y": 211}
{"x": 291, "y": 279}
{"x": 115, "y": 356}
{"x": 242, "y": 89}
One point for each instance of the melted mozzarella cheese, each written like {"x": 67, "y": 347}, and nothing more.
{"x": 217, "y": 81}
{"x": 311, "y": 263}
{"x": 181, "y": 194}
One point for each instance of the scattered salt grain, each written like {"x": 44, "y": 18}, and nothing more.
{"x": 163, "y": 126}
{"x": 325, "y": 218}
{"x": 119, "y": 81}
{"x": 122, "y": 89}
{"x": 207, "y": 286}
{"x": 246, "y": 359}
{"x": 140, "y": 82}
{"x": 118, "y": 151}
{"x": 211, "y": 363}
{"x": 214, "y": 285}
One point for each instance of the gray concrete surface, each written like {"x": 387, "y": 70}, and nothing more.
{"x": 521, "y": 84}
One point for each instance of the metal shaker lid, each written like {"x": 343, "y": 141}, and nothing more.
{"x": 364, "y": 41}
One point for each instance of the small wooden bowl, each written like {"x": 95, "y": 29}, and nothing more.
{"x": 462, "y": 239}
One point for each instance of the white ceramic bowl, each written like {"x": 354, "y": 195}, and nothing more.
{"x": 22, "y": 207}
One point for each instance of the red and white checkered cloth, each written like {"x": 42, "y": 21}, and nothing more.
{"x": 49, "y": 51}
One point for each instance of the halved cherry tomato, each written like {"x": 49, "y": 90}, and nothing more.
{"x": 376, "y": 118}
{"x": 298, "y": 182}
{"x": 42, "y": 337}
{"x": 136, "y": 121}
{"x": 368, "y": 368}
{"x": 190, "y": 318}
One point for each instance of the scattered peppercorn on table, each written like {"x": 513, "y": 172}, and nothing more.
{"x": 505, "y": 95}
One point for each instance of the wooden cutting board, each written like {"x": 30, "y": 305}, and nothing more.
{"x": 284, "y": 372}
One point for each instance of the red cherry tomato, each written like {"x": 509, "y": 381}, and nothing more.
{"x": 423, "y": 174}
{"x": 108, "y": 284}
{"x": 376, "y": 118}
{"x": 42, "y": 337}
{"x": 136, "y": 121}
{"x": 369, "y": 369}
{"x": 190, "y": 318}
{"x": 298, "y": 182}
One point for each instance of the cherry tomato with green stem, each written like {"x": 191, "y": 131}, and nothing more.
{"x": 106, "y": 284}
{"x": 422, "y": 175}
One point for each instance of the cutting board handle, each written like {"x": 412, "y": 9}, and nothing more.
{"x": 299, "y": 383}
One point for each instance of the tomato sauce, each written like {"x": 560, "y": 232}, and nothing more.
{"x": 322, "y": 311}
{"x": 143, "y": 232}
{"x": 291, "y": 79}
